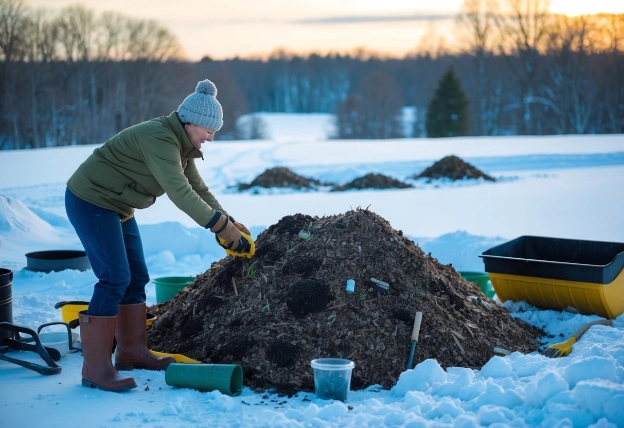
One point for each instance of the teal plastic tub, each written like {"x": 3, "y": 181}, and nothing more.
{"x": 481, "y": 279}
{"x": 167, "y": 287}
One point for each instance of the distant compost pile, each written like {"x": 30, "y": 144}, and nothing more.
{"x": 287, "y": 305}
{"x": 281, "y": 177}
{"x": 373, "y": 181}
{"x": 454, "y": 168}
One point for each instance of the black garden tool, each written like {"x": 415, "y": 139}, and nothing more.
{"x": 17, "y": 342}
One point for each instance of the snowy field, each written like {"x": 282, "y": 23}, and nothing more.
{"x": 559, "y": 186}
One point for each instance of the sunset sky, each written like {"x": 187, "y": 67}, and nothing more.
{"x": 222, "y": 29}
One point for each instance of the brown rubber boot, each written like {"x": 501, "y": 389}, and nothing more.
{"x": 131, "y": 334}
{"x": 96, "y": 335}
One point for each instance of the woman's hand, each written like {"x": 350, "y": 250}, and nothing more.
{"x": 242, "y": 228}
{"x": 230, "y": 235}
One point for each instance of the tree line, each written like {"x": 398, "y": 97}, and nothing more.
{"x": 72, "y": 77}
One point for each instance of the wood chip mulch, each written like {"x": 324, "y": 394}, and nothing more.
{"x": 373, "y": 181}
{"x": 454, "y": 168}
{"x": 281, "y": 177}
{"x": 287, "y": 305}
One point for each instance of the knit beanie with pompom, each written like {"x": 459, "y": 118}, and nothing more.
{"x": 201, "y": 107}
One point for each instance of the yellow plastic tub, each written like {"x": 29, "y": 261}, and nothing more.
{"x": 553, "y": 273}
{"x": 69, "y": 310}
{"x": 605, "y": 300}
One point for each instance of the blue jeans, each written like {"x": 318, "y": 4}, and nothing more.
{"x": 115, "y": 252}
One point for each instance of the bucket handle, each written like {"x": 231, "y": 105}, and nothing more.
{"x": 69, "y": 335}
{"x": 59, "y": 305}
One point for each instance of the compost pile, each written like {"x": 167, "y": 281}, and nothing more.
{"x": 280, "y": 177}
{"x": 275, "y": 312}
{"x": 454, "y": 168}
{"x": 373, "y": 181}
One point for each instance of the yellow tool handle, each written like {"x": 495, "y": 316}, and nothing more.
{"x": 179, "y": 358}
{"x": 416, "y": 329}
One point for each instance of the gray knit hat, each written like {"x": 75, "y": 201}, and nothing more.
{"x": 201, "y": 107}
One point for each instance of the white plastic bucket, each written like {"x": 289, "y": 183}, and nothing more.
{"x": 332, "y": 378}
{"x": 57, "y": 340}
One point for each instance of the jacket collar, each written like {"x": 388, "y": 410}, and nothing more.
{"x": 188, "y": 149}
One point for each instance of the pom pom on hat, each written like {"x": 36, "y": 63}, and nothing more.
{"x": 201, "y": 107}
{"x": 206, "y": 87}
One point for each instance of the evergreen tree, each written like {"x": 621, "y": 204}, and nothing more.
{"x": 448, "y": 115}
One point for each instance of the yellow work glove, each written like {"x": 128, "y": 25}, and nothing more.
{"x": 241, "y": 227}
{"x": 230, "y": 234}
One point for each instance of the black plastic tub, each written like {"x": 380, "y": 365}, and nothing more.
{"x": 57, "y": 260}
{"x": 555, "y": 258}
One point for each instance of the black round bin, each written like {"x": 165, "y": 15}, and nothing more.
{"x": 57, "y": 260}
{"x": 6, "y": 300}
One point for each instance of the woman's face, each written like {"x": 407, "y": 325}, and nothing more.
{"x": 198, "y": 134}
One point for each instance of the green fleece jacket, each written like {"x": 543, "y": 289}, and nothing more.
{"x": 141, "y": 163}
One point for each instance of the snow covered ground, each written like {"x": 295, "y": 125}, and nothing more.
{"x": 560, "y": 186}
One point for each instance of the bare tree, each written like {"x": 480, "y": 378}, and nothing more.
{"x": 381, "y": 96}
{"x": 112, "y": 47}
{"x": 76, "y": 25}
{"x": 233, "y": 102}
{"x": 613, "y": 27}
{"x": 70, "y": 77}
{"x": 76, "y": 79}
{"x": 76, "y": 28}
{"x": 349, "y": 119}
{"x": 570, "y": 88}
{"x": 41, "y": 37}
{"x": 374, "y": 111}
{"x": 149, "y": 45}
{"x": 522, "y": 26}
{"x": 111, "y": 35}
{"x": 476, "y": 21}
{"x": 12, "y": 23}
{"x": 432, "y": 44}
{"x": 252, "y": 127}
{"x": 148, "y": 40}
{"x": 39, "y": 50}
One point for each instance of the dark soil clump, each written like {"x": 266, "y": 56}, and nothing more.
{"x": 281, "y": 177}
{"x": 454, "y": 168}
{"x": 308, "y": 296}
{"x": 373, "y": 181}
{"x": 286, "y": 306}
